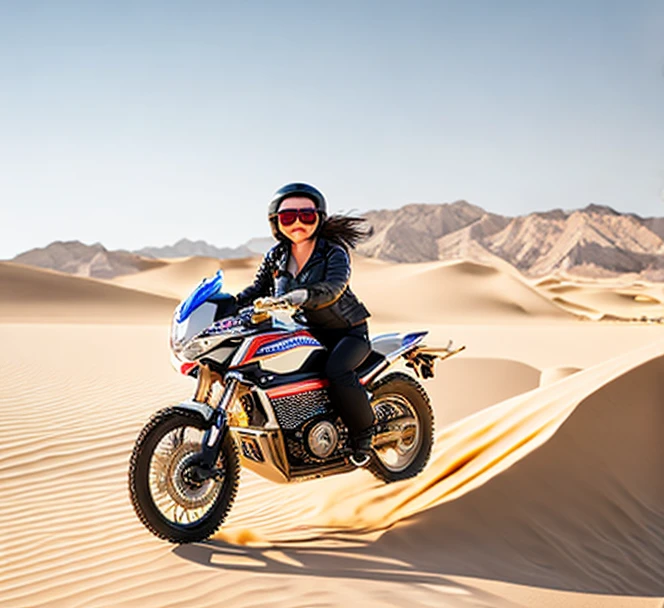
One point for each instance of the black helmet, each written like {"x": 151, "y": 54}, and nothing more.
{"x": 298, "y": 189}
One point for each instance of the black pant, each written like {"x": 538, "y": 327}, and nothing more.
{"x": 347, "y": 349}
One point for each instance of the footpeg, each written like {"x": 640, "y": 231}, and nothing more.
{"x": 360, "y": 460}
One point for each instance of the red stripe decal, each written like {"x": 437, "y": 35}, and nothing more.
{"x": 185, "y": 368}
{"x": 259, "y": 341}
{"x": 296, "y": 388}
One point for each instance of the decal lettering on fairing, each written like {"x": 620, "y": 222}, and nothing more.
{"x": 220, "y": 327}
{"x": 286, "y": 344}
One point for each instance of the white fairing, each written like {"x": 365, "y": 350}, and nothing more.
{"x": 289, "y": 361}
{"x": 195, "y": 323}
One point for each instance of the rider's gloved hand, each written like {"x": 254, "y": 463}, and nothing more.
{"x": 262, "y": 303}
{"x": 294, "y": 298}
{"x": 297, "y": 297}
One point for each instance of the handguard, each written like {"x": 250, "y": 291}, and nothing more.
{"x": 422, "y": 359}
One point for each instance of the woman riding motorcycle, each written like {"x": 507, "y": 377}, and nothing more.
{"x": 309, "y": 267}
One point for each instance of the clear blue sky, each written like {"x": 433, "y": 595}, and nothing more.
{"x": 138, "y": 123}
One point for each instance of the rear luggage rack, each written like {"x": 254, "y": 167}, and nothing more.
{"x": 422, "y": 359}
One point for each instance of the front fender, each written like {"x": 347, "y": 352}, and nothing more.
{"x": 202, "y": 409}
{"x": 215, "y": 433}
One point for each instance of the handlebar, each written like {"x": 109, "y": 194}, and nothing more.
{"x": 270, "y": 304}
{"x": 262, "y": 308}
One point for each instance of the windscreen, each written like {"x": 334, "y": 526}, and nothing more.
{"x": 205, "y": 291}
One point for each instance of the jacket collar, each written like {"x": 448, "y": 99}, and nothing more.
{"x": 319, "y": 252}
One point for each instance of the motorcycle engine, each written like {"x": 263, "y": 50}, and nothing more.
{"x": 322, "y": 438}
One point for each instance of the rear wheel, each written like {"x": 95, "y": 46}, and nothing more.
{"x": 169, "y": 494}
{"x": 403, "y": 411}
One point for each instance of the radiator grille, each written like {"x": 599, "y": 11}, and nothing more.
{"x": 294, "y": 410}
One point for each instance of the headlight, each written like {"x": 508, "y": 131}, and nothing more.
{"x": 196, "y": 348}
{"x": 179, "y": 332}
{"x": 182, "y": 332}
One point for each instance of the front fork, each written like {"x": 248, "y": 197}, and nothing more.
{"x": 214, "y": 436}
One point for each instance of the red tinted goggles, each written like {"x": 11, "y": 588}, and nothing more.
{"x": 287, "y": 217}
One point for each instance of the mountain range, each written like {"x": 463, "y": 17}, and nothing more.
{"x": 596, "y": 241}
{"x": 77, "y": 258}
{"x": 187, "y": 248}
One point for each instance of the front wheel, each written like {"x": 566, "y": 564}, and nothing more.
{"x": 167, "y": 492}
{"x": 403, "y": 411}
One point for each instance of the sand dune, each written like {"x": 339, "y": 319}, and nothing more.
{"x": 547, "y": 282}
{"x": 553, "y": 374}
{"x": 556, "y": 487}
{"x": 544, "y": 489}
{"x": 590, "y": 509}
{"x": 463, "y": 291}
{"x": 580, "y": 310}
{"x": 178, "y": 277}
{"x": 479, "y": 291}
{"x": 609, "y": 299}
{"x": 561, "y": 487}
{"x": 29, "y": 294}
{"x": 466, "y": 385}
{"x": 617, "y": 303}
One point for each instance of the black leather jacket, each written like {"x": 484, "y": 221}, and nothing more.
{"x": 331, "y": 304}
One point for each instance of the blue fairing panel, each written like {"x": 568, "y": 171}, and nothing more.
{"x": 413, "y": 338}
{"x": 206, "y": 290}
{"x": 393, "y": 345}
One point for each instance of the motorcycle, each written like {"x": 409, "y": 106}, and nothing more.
{"x": 261, "y": 402}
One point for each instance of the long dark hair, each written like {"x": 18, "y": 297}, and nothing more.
{"x": 345, "y": 230}
{"x": 342, "y": 230}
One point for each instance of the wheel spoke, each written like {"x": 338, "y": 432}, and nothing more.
{"x": 399, "y": 444}
{"x": 179, "y": 499}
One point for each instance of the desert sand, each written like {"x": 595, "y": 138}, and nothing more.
{"x": 545, "y": 487}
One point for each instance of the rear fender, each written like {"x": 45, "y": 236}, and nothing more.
{"x": 392, "y": 346}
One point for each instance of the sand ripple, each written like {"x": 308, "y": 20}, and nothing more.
{"x": 558, "y": 487}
